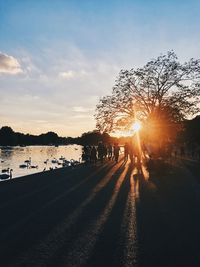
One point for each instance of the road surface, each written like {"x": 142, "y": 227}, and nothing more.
{"x": 105, "y": 215}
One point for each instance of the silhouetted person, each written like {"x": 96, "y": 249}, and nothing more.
{"x": 93, "y": 155}
{"x": 100, "y": 151}
{"x": 126, "y": 151}
{"x": 131, "y": 153}
{"x": 110, "y": 152}
{"x": 105, "y": 151}
{"x": 138, "y": 154}
{"x": 86, "y": 154}
{"x": 116, "y": 152}
{"x": 89, "y": 149}
{"x": 150, "y": 166}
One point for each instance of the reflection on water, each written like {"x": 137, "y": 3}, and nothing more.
{"x": 41, "y": 156}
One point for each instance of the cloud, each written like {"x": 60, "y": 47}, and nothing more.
{"x": 61, "y": 86}
{"x": 67, "y": 74}
{"x": 82, "y": 109}
{"x": 9, "y": 64}
{"x": 71, "y": 74}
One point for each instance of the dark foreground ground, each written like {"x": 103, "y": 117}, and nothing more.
{"x": 107, "y": 215}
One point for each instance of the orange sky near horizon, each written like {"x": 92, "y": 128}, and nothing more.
{"x": 58, "y": 58}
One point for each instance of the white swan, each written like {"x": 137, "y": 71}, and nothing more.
{"x": 6, "y": 175}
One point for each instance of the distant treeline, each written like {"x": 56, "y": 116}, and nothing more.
{"x": 10, "y": 138}
{"x": 190, "y": 133}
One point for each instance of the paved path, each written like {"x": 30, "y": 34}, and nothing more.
{"x": 108, "y": 215}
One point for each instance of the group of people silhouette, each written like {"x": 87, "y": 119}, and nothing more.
{"x": 101, "y": 152}
{"x": 92, "y": 154}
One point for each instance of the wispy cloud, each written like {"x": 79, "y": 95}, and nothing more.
{"x": 59, "y": 86}
{"x": 67, "y": 74}
{"x": 9, "y": 64}
{"x": 82, "y": 109}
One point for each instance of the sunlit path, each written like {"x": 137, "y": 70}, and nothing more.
{"x": 106, "y": 215}
{"x": 30, "y": 214}
{"x": 81, "y": 249}
{"x": 57, "y": 237}
{"x": 129, "y": 245}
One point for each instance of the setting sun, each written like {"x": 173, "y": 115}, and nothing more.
{"x": 136, "y": 126}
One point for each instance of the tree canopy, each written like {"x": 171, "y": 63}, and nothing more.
{"x": 161, "y": 94}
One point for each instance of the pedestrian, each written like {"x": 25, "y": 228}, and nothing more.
{"x": 86, "y": 154}
{"x": 116, "y": 152}
{"x": 100, "y": 152}
{"x": 110, "y": 151}
{"x": 126, "y": 151}
{"x": 93, "y": 155}
{"x": 105, "y": 151}
{"x": 131, "y": 152}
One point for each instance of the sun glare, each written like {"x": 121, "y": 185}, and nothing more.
{"x": 136, "y": 126}
{"x": 119, "y": 134}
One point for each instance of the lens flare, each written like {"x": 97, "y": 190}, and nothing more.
{"x": 136, "y": 126}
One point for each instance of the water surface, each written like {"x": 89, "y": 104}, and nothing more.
{"x": 12, "y": 157}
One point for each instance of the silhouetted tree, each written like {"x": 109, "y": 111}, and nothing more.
{"x": 161, "y": 94}
{"x": 192, "y": 130}
{"x": 91, "y": 138}
{"x": 49, "y": 138}
{"x": 7, "y": 136}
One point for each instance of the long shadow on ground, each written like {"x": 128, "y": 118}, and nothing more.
{"x": 168, "y": 220}
{"x": 35, "y": 230}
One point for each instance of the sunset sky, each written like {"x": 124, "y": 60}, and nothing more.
{"x": 57, "y": 58}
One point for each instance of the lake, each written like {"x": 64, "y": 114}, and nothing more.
{"x": 41, "y": 156}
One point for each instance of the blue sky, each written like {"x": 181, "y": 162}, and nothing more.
{"x": 57, "y": 58}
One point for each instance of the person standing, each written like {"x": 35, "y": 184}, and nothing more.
{"x": 110, "y": 151}
{"x": 116, "y": 152}
{"x": 100, "y": 151}
{"x": 131, "y": 153}
{"x": 93, "y": 155}
{"x": 105, "y": 151}
{"x": 126, "y": 151}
